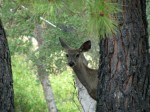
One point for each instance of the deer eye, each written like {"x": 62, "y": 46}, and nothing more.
{"x": 77, "y": 55}
{"x": 67, "y": 55}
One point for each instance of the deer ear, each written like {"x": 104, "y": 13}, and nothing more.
{"x": 63, "y": 44}
{"x": 85, "y": 46}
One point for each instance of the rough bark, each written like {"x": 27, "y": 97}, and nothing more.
{"x": 43, "y": 74}
{"x": 88, "y": 104}
{"x": 6, "y": 82}
{"x": 124, "y": 76}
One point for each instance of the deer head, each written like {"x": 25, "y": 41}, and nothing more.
{"x": 75, "y": 56}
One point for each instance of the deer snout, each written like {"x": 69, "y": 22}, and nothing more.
{"x": 71, "y": 64}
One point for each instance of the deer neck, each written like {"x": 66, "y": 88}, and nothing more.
{"x": 87, "y": 76}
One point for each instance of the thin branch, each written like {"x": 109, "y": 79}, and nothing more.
{"x": 49, "y": 23}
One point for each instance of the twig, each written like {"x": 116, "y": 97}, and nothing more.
{"x": 49, "y": 23}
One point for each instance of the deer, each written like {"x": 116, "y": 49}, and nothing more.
{"x": 76, "y": 60}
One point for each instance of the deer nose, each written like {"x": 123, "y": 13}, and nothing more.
{"x": 71, "y": 64}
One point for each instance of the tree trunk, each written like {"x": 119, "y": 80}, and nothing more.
{"x": 43, "y": 74}
{"x": 48, "y": 93}
{"x": 124, "y": 72}
{"x": 88, "y": 104}
{"x": 6, "y": 82}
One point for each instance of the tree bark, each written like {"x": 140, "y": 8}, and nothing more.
{"x": 43, "y": 74}
{"x": 6, "y": 82}
{"x": 124, "y": 71}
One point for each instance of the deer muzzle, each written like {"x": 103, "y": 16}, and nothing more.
{"x": 71, "y": 64}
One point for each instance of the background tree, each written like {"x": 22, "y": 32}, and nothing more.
{"x": 42, "y": 73}
{"x": 6, "y": 81}
{"x": 124, "y": 70}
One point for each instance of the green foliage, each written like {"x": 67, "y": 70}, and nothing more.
{"x": 21, "y": 18}
{"x": 101, "y": 19}
{"x": 28, "y": 92}
{"x": 65, "y": 93}
{"x": 19, "y": 46}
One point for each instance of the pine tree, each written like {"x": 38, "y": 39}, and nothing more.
{"x": 124, "y": 71}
